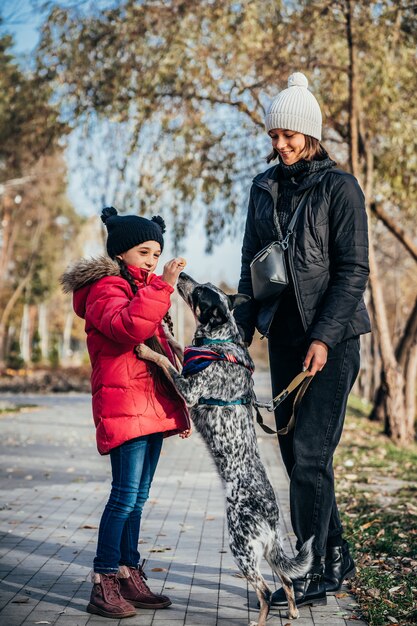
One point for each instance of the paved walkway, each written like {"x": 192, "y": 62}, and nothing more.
{"x": 53, "y": 488}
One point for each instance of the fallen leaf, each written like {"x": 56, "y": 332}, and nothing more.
{"x": 20, "y": 600}
{"x": 210, "y": 518}
{"x": 89, "y": 526}
{"x": 369, "y": 524}
{"x": 341, "y": 595}
{"x": 411, "y": 508}
{"x": 159, "y": 549}
{"x": 158, "y": 569}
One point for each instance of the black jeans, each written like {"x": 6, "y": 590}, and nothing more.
{"x": 307, "y": 450}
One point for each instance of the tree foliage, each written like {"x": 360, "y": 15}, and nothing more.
{"x": 185, "y": 89}
{"x": 36, "y": 219}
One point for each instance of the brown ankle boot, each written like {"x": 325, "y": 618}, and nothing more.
{"x": 106, "y": 599}
{"x": 134, "y": 589}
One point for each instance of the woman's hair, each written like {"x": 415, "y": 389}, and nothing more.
{"x": 161, "y": 381}
{"x": 313, "y": 151}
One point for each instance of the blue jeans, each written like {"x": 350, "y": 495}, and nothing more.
{"x": 133, "y": 466}
{"x": 307, "y": 451}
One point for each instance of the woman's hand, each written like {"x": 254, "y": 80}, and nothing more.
{"x": 316, "y": 357}
{"x": 173, "y": 269}
{"x": 186, "y": 433}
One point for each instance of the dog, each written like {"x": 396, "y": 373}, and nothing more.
{"x": 217, "y": 386}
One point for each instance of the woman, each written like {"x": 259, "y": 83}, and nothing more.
{"x": 315, "y": 323}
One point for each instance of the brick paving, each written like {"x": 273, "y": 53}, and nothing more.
{"x": 53, "y": 487}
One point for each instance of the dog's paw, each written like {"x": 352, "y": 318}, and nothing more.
{"x": 143, "y": 352}
{"x": 293, "y": 614}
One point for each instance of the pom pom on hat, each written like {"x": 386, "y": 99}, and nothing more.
{"x": 160, "y": 221}
{"x": 107, "y": 212}
{"x": 127, "y": 231}
{"x": 295, "y": 108}
{"x": 297, "y": 80}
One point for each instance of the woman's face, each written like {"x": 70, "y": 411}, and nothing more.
{"x": 145, "y": 255}
{"x": 288, "y": 143}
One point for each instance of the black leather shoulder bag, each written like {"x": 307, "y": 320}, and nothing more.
{"x": 268, "y": 270}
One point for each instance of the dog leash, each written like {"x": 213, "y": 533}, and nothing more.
{"x": 302, "y": 381}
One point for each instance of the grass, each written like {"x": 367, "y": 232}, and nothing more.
{"x": 377, "y": 494}
{"x": 16, "y": 408}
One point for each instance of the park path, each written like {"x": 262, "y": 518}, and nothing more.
{"x": 53, "y": 487}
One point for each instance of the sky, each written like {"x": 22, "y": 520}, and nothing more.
{"x": 222, "y": 265}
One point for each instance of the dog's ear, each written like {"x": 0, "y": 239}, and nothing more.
{"x": 237, "y": 299}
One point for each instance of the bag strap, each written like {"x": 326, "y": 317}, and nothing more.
{"x": 302, "y": 381}
{"x": 284, "y": 243}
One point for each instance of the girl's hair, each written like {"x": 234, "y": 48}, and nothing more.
{"x": 161, "y": 381}
{"x": 313, "y": 151}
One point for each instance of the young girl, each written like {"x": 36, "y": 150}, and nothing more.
{"x": 123, "y": 303}
{"x": 316, "y": 322}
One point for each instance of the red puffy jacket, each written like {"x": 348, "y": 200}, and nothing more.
{"x": 126, "y": 403}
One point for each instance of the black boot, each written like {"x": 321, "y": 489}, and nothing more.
{"x": 339, "y": 565}
{"x": 307, "y": 590}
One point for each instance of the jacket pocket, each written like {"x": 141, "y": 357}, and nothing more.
{"x": 136, "y": 368}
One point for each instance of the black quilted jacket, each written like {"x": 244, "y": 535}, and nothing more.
{"x": 327, "y": 257}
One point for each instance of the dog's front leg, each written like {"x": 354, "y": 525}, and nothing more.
{"x": 176, "y": 347}
{"x": 144, "y": 352}
{"x": 191, "y": 388}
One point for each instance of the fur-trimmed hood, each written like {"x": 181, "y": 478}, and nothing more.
{"x": 87, "y": 271}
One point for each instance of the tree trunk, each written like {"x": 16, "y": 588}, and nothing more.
{"x": 410, "y": 388}
{"x": 392, "y": 397}
{"x": 24, "y": 339}
{"x": 353, "y": 94}
{"x": 392, "y": 401}
{"x": 66, "y": 338}
{"x": 6, "y": 314}
{"x": 43, "y": 330}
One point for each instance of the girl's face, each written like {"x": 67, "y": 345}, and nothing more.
{"x": 145, "y": 255}
{"x": 288, "y": 143}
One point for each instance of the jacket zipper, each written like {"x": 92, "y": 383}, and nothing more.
{"x": 291, "y": 268}
{"x": 296, "y": 285}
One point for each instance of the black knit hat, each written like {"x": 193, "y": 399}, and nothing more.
{"x": 127, "y": 231}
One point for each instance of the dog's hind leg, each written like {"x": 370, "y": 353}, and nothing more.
{"x": 288, "y": 588}
{"x": 248, "y": 558}
{"x": 263, "y": 594}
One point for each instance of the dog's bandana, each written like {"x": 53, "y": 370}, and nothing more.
{"x": 198, "y": 358}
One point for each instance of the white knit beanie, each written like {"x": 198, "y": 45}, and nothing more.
{"x": 295, "y": 109}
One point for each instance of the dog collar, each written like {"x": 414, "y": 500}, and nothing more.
{"x": 204, "y": 341}
{"x": 217, "y": 402}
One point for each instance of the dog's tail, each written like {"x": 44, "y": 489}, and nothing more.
{"x": 293, "y": 568}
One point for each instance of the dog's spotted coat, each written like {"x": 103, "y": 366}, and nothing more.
{"x": 229, "y": 432}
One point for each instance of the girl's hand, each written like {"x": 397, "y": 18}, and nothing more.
{"x": 186, "y": 433}
{"x": 173, "y": 269}
{"x": 316, "y": 357}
